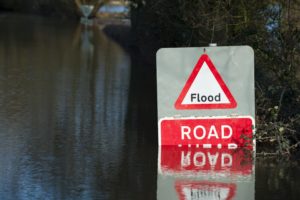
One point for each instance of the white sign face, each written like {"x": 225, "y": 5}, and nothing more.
{"x": 201, "y": 82}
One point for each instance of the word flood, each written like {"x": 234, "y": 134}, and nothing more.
{"x": 196, "y": 97}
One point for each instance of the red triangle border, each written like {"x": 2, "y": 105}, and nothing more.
{"x": 205, "y": 58}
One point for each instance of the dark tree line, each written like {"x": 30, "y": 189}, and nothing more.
{"x": 272, "y": 28}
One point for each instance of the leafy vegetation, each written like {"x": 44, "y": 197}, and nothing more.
{"x": 272, "y": 28}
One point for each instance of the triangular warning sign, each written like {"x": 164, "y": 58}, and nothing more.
{"x": 205, "y": 89}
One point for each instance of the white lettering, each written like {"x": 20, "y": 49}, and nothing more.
{"x": 202, "y": 156}
{"x": 223, "y": 127}
{"x": 226, "y": 157}
{"x": 185, "y": 131}
{"x": 212, "y": 159}
{"x": 185, "y": 159}
{"x": 199, "y": 159}
{"x": 203, "y": 132}
{"x": 213, "y": 133}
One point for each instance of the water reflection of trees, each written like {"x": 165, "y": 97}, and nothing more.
{"x": 277, "y": 179}
{"x": 63, "y": 105}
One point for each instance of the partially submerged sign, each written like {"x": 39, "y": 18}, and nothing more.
{"x": 205, "y": 113}
{"x": 220, "y": 132}
{"x": 206, "y": 96}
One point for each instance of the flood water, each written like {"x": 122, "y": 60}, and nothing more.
{"x": 78, "y": 121}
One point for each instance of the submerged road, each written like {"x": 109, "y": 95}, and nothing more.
{"x": 78, "y": 120}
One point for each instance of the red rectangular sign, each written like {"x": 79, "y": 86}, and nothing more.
{"x": 221, "y": 132}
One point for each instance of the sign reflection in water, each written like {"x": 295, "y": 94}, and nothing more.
{"x": 190, "y": 173}
{"x": 204, "y": 190}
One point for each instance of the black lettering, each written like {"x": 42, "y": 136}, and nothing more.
{"x": 193, "y": 96}
{"x": 218, "y": 97}
{"x": 198, "y": 97}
